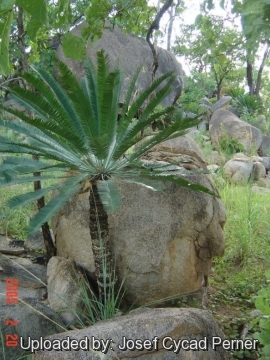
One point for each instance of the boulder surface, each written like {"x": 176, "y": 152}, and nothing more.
{"x": 146, "y": 325}
{"x": 225, "y": 124}
{"x": 128, "y": 52}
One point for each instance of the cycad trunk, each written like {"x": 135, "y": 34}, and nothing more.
{"x": 99, "y": 231}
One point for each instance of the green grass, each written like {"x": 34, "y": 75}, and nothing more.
{"x": 247, "y": 228}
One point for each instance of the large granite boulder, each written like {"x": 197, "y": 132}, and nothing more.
{"x": 225, "y": 124}
{"x": 152, "y": 329}
{"x": 163, "y": 241}
{"x": 128, "y": 52}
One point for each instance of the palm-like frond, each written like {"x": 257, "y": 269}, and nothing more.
{"x": 74, "y": 130}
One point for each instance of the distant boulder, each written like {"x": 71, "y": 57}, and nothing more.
{"x": 128, "y": 52}
{"x": 225, "y": 124}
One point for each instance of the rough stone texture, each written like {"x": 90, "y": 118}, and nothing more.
{"x": 182, "y": 151}
{"x": 224, "y": 124}
{"x": 258, "y": 171}
{"x": 35, "y": 319}
{"x": 233, "y": 110}
{"x": 7, "y": 248}
{"x": 215, "y": 158}
{"x": 64, "y": 293}
{"x": 205, "y": 101}
{"x": 163, "y": 241}
{"x": 129, "y": 52}
{"x": 260, "y": 190}
{"x": 72, "y": 234}
{"x": 29, "y": 275}
{"x": 145, "y": 325}
{"x": 264, "y": 181}
{"x": 36, "y": 242}
{"x": 222, "y": 103}
{"x": 238, "y": 171}
{"x": 264, "y": 149}
{"x": 266, "y": 162}
{"x": 213, "y": 168}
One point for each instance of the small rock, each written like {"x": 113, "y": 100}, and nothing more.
{"x": 213, "y": 168}
{"x": 64, "y": 292}
{"x": 36, "y": 242}
{"x": 215, "y": 158}
{"x": 260, "y": 190}
{"x": 222, "y": 103}
{"x": 258, "y": 171}
{"x": 205, "y": 138}
{"x": 238, "y": 171}
{"x": 29, "y": 275}
{"x": 265, "y": 182}
{"x": 255, "y": 158}
{"x": 256, "y": 313}
{"x": 8, "y": 247}
{"x": 266, "y": 162}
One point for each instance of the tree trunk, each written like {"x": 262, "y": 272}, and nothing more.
{"x": 250, "y": 77}
{"x": 155, "y": 26}
{"x": 48, "y": 241}
{"x": 47, "y": 237}
{"x": 99, "y": 231}
{"x": 169, "y": 35}
{"x": 256, "y": 91}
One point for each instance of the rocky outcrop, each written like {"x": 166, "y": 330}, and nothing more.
{"x": 182, "y": 151}
{"x": 154, "y": 329}
{"x": 241, "y": 168}
{"x": 225, "y": 124}
{"x": 163, "y": 242}
{"x": 128, "y": 52}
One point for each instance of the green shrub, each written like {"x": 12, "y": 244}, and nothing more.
{"x": 230, "y": 146}
{"x": 262, "y": 303}
{"x": 248, "y": 103}
{"x": 234, "y": 93}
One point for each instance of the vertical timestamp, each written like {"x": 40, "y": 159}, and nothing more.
{"x": 11, "y": 340}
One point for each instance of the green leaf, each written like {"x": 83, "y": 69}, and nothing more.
{"x": 267, "y": 274}
{"x": 5, "y": 28}
{"x": 148, "y": 183}
{"x": 69, "y": 188}
{"x": 32, "y": 28}
{"x": 23, "y": 180}
{"x": 74, "y": 47}
{"x": 262, "y": 302}
{"x": 37, "y": 9}
{"x": 109, "y": 195}
{"x": 198, "y": 19}
{"x": 184, "y": 183}
{"x": 6, "y": 5}
{"x": 25, "y": 199}
{"x": 263, "y": 337}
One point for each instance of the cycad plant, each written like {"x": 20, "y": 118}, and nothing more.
{"x": 75, "y": 130}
